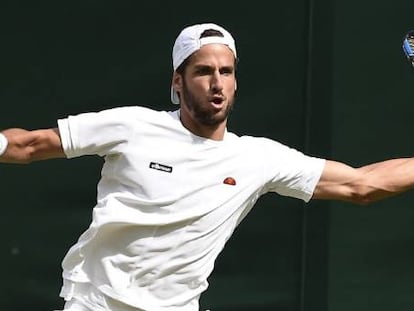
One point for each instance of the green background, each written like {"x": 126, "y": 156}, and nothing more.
{"x": 326, "y": 77}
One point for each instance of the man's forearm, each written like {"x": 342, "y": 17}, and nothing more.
{"x": 392, "y": 176}
{"x": 366, "y": 184}
{"x": 23, "y": 146}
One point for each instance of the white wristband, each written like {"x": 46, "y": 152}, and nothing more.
{"x": 3, "y": 144}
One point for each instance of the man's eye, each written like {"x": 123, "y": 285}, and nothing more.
{"x": 202, "y": 71}
{"x": 226, "y": 71}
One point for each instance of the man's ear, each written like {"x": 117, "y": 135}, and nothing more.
{"x": 235, "y": 85}
{"x": 177, "y": 82}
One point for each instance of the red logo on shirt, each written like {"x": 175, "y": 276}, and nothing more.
{"x": 229, "y": 181}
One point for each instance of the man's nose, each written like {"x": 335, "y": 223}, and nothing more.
{"x": 216, "y": 82}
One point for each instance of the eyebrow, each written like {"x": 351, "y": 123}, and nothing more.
{"x": 230, "y": 68}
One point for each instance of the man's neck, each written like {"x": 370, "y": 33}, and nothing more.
{"x": 213, "y": 132}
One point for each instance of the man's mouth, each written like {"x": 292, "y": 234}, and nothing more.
{"x": 217, "y": 101}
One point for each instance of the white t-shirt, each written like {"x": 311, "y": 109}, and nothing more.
{"x": 168, "y": 201}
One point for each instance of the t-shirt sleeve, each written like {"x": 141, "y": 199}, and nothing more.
{"x": 290, "y": 172}
{"x": 94, "y": 133}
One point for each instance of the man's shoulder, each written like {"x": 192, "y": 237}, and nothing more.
{"x": 257, "y": 143}
{"x": 138, "y": 112}
{"x": 134, "y": 109}
{"x": 250, "y": 139}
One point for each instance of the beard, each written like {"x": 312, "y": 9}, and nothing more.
{"x": 201, "y": 113}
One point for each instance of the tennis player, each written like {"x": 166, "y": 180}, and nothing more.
{"x": 175, "y": 184}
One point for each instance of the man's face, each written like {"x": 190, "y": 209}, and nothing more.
{"x": 208, "y": 86}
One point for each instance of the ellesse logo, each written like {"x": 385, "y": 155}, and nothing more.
{"x": 161, "y": 167}
{"x": 229, "y": 181}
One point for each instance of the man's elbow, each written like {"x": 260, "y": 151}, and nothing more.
{"x": 361, "y": 199}
{"x": 369, "y": 195}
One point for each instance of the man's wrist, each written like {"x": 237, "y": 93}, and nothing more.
{"x": 3, "y": 144}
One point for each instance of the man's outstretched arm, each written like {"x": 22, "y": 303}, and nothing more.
{"x": 366, "y": 184}
{"x": 25, "y": 146}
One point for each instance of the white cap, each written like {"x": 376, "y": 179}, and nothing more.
{"x": 189, "y": 41}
